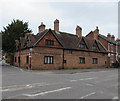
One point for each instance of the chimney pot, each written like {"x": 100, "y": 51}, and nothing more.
{"x": 113, "y": 37}
{"x": 56, "y": 25}
{"x": 118, "y": 40}
{"x": 95, "y": 33}
{"x": 109, "y": 35}
{"x": 78, "y": 31}
{"x": 41, "y": 28}
{"x": 96, "y": 27}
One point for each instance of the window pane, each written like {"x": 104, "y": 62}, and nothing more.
{"x": 64, "y": 61}
{"x": 15, "y": 59}
{"x": 51, "y": 59}
{"x": 94, "y": 48}
{"x": 48, "y": 59}
{"x": 82, "y": 60}
{"x": 95, "y": 60}
{"x": 19, "y": 59}
{"x": 82, "y": 45}
{"x": 49, "y": 42}
{"x": 70, "y": 51}
{"x": 45, "y": 59}
{"x": 27, "y": 59}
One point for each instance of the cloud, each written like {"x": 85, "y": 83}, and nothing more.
{"x": 88, "y": 15}
{"x": 32, "y": 12}
{"x": 28, "y": 10}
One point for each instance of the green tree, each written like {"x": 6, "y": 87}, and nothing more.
{"x": 13, "y": 32}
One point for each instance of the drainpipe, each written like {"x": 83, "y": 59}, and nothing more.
{"x": 63, "y": 60}
{"x": 117, "y": 51}
{"x": 19, "y": 52}
{"x": 30, "y": 56}
{"x": 19, "y": 58}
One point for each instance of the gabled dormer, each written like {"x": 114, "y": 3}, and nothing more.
{"x": 49, "y": 39}
{"x": 17, "y": 44}
{"x": 95, "y": 46}
{"x": 83, "y": 44}
{"x": 27, "y": 41}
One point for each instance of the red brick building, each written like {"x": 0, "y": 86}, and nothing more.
{"x": 53, "y": 49}
{"x": 109, "y": 42}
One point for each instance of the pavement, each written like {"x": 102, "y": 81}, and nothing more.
{"x": 18, "y": 83}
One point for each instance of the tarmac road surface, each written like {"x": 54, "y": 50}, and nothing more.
{"x": 66, "y": 84}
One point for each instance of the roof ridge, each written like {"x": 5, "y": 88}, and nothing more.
{"x": 107, "y": 39}
{"x": 89, "y": 33}
{"x": 102, "y": 45}
{"x": 68, "y": 33}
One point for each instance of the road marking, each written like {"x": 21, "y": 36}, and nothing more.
{"x": 115, "y": 98}
{"x": 87, "y": 95}
{"x": 13, "y": 96}
{"x": 27, "y": 86}
{"x": 102, "y": 71}
{"x": 18, "y": 68}
{"x": 73, "y": 80}
{"x": 88, "y": 84}
{"x": 24, "y": 85}
{"x": 9, "y": 86}
{"x": 82, "y": 79}
{"x": 15, "y": 89}
{"x": 105, "y": 80}
{"x": 21, "y": 87}
{"x": 99, "y": 71}
{"x": 21, "y": 70}
{"x": 47, "y": 92}
{"x": 87, "y": 79}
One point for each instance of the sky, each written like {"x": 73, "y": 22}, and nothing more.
{"x": 87, "y": 14}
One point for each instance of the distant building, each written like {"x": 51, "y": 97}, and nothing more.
{"x": 53, "y": 49}
{"x": 109, "y": 42}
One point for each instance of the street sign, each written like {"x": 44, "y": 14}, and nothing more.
{"x": 30, "y": 50}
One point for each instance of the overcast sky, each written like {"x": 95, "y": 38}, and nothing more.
{"x": 87, "y": 15}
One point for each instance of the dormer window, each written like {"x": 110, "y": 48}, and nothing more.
{"x": 94, "y": 48}
{"x": 82, "y": 45}
{"x": 25, "y": 44}
{"x": 70, "y": 51}
{"x": 49, "y": 42}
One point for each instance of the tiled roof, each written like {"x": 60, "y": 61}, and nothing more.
{"x": 68, "y": 41}
{"x": 71, "y": 41}
{"x": 107, "y": 39}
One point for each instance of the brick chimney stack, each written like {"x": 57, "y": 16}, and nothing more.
{"x": 118, "y": 40}
{"x": 56, "y": 25}
{"x": 109, "y": 35}
{"x": 78, "y": 31}
{"x": 113, "y": 37}
{"x": 41, "y": 28}
{"x": 95, "y": 33}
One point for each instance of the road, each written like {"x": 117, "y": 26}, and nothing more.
{"x": 66, "y": 84}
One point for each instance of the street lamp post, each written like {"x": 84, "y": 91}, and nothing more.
{"x": 30, "y": 56}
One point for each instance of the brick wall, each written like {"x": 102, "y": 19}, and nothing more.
{"x": 22, "y": 54}
{"x": 37, "y": 60}
{"x": 104, "y": 42}
{"x": 73, "y": 60}
{"x": 51, "y": 37}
